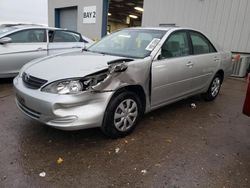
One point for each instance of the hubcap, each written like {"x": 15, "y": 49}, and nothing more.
{"x": 215, "y": 87}
{"x": 125, "y": 115}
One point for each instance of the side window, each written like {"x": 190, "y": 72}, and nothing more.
{"x": 200, "y": 44}
{"x": 29, "y": 36}
{"x": 66, "y": 36}
{"x": 176, "y": 46}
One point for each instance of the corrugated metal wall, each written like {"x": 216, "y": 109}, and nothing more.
{"x": 227, "y": 22}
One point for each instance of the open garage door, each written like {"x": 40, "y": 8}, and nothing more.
{"x": 123, "y": 14}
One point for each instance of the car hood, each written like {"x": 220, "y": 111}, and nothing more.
{"x": 70, "y": 65}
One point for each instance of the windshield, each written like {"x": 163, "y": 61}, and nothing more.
{"x": 133, "y": 43}
{"x": 4, "y": 30}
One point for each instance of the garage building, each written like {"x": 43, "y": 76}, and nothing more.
{"x": 226, "y": 22}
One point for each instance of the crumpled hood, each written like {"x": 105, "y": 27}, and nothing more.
{"x": 69, "y": 65}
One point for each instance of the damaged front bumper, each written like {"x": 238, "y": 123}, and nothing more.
{"x": 66, "y": 112}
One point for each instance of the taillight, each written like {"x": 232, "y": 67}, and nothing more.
{"x": 236, "y": 57}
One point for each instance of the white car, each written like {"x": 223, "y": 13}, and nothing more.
{"x": 21, "y": 43}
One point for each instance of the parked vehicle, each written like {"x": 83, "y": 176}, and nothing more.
{"x": 246, "y": 107}
{"x": 118, "y": 79}
{"x": 21, "y": 43}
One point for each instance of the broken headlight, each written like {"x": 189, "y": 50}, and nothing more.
{"x": 75, "y": 85}
{"x": 93, "y": 80}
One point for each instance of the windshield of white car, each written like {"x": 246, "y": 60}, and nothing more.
{"x": 132, "y": 43}
{"x": 4, "y": 30}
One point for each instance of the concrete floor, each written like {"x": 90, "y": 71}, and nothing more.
{"x": 175, "y": 146}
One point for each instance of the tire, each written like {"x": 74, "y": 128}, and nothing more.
{"x": 122, "y": 114}
{"x": 213, "y": 89}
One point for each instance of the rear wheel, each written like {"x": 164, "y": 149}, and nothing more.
{"x": 122, "y": 114}
{"x": 214, "y": 88}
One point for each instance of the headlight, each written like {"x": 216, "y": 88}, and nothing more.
{"x": 74, "y": 86}
{"x": 64, "y": 87}
{"x": 69, "y": 87}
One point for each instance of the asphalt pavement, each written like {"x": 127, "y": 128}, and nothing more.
{"x": 175, "y": 146}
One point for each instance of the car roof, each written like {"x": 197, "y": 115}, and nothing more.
{"x": 28, "y": 26}
{"x": 162, "y": 28}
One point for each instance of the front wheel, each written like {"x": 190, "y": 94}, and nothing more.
{"x": 213, "y": 89}
{"x": 122, "y": 114}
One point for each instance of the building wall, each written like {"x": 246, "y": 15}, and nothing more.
{"x": 93, "y": 30}
{"x": 226, "y": 22}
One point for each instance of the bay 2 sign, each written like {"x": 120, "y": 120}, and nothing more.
{"x": 89, "y": 14}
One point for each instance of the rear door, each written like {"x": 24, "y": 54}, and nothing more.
{"x": 172, "y": 72}
{"x": 26, "y": 45}
{"x": 64, "y": 41}
{"x": 205, "y": 59}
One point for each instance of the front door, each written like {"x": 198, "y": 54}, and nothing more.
{"x": 26, "y": 45}
{"x": 172, "y": 72}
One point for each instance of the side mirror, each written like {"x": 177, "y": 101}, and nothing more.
{"x": 5, "y": 40}
{"x": 159, "y": 57}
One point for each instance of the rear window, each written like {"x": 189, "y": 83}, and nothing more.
{"x": 66, "y": 36}
{"x": 201, "y": 45}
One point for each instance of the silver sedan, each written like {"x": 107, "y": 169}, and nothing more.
{"x": 21, "y": 43}
{"x": 115, "y": 81}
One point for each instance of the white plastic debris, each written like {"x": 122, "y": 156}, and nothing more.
{"x": 193, "y": 105}
{"x": 117, "y": 150}
{"x": 42, "y": 174}
{"x": 143, "y": 172}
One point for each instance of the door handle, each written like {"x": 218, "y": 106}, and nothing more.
{"x": 76, "y": 47}
{"x": 40, "y": 49}
{"x": 190, "y": 64}
{"x": 216, "y": 59}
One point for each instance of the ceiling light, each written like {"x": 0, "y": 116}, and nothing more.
{"x": 139, "y": 9}
{"x": 133, "y": 16}
{"x": 109, "y": 14}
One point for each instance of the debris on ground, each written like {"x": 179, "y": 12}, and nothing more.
{"x": 158, "y": 165}
{"x": 169, "y": 141}
{"x": 126, "y": 142}
{"x": 42, "y": 174}
{"x": 193, "y": 106}
{"x": 59, "y": 160}
{"x": 117, "y": 150}
{"x": 4, "y": 178}
{"x": 143, "y": 172}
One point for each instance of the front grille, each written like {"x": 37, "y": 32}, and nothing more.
{"x": 32, "y": 82}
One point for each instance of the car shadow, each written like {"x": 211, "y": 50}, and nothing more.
{"x": 6, "y": 80}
